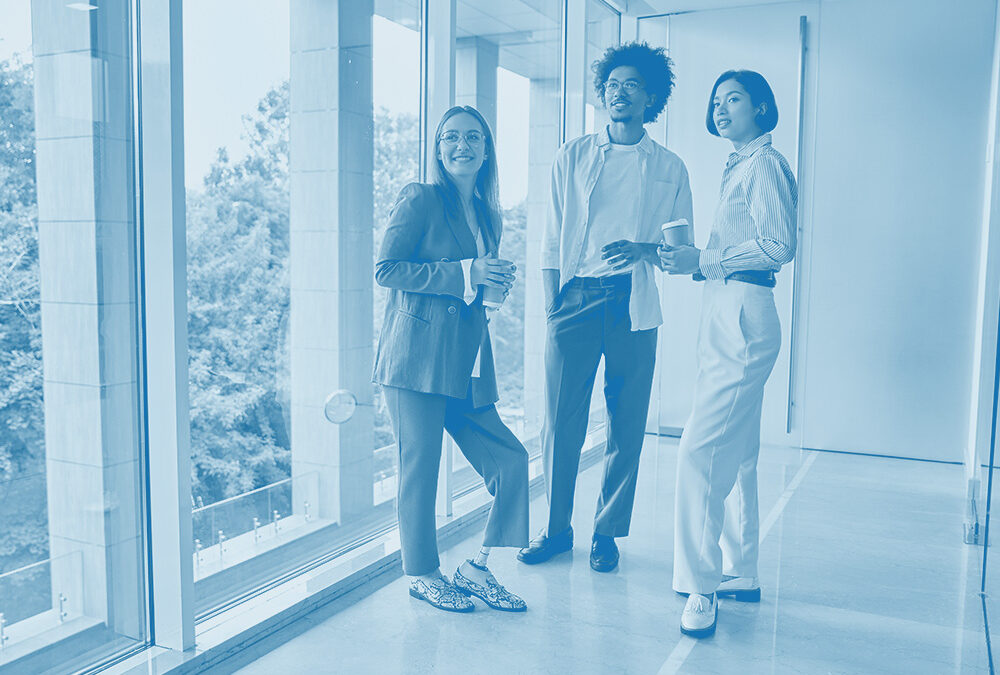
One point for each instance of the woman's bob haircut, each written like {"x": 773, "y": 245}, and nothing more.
{"x": 759, "y": 91}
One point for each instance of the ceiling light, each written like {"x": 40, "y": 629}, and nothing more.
{"x": 81, "y": 6}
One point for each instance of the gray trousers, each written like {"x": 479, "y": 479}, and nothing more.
{"x": 590, "y": 318}
{"x": 418, "y": 421}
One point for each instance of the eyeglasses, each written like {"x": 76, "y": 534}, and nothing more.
{"x": 471, "y": 137}
{"x": 611, "y": 86}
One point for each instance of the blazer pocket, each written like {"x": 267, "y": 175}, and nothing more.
{"x": 410, "y": 315}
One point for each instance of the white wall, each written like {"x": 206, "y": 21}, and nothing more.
{"x": 890, "y": 310}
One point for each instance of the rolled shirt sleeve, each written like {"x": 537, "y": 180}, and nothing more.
{"x": 684, "y": 204}
{"x": 710, "y": 263}
{"x": 554, "y": 215}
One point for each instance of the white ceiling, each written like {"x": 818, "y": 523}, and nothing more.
{"x": 644, "y": 7}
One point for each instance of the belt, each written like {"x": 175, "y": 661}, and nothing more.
{"x": 610, "y": 281}
{"x": 756, "y": 277}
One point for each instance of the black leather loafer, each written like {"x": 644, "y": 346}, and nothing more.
{"x": 603, "y": 554}
{"x": 543, "y": 547}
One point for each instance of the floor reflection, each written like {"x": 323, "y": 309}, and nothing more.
{"x": 862, "y": 568}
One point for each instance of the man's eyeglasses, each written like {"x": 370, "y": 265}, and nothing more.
{"x": 629, "y": 86}
{"x": 471, "y": 137}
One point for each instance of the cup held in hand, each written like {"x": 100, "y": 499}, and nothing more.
{"x": 493, "y": 297}
{"x": 677, "y": 233}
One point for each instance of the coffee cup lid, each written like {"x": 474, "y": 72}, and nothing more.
{"x": 674, "y": 223}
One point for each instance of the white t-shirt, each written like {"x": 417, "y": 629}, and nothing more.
{"x": 614, "y": 209}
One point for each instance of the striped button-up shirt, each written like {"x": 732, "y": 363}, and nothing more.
{"x": 754, "y": 227}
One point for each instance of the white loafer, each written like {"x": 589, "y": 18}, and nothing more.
{"x": 700, "y": 614}
{"x": 743, "y": 589}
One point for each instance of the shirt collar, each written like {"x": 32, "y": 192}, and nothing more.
{"x": 750, "y": 148}
{"x": 604, "y": 140}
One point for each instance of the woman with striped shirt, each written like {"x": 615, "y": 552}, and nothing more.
{"x": 753, "y": 235}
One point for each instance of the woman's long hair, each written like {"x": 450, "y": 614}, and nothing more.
{"x": 487, "y": 185}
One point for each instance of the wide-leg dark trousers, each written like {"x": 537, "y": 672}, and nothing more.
{"x": 418, "y": 421}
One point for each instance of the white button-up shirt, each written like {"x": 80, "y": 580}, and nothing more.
{"x": 663, "y": 195}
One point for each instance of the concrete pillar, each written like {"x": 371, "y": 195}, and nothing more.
{"x": 438, "y": 89}
{"x": 576, "y": 70}
{"x": 543, "y": 141}
{"x": 476, "y": 76}
{"x": 86, "y": 254}
{"x": 331, "y": 252}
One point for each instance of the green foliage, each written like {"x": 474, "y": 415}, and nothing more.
{"x": 396, "y": 163}
{"x": 238, "y": 299}
{"x": 24, "y": 537}
{"x": 507, "y": 325}
{"x": 238, "y": 307}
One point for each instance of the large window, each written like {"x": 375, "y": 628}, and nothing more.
{"x": 236, "y": 149}
{"x": 396, "y": 98}
{"x": 508, "y": 66}
{"x": 72, "y": 563}
{"x": 603, "y": 31}
{"x": 301, "y": 123}
{"x": 300, "y": 130}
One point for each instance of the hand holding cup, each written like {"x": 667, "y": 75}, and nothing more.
{"x": 496, "y": 276}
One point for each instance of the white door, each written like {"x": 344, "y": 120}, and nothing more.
{"x": 703, "y": 45}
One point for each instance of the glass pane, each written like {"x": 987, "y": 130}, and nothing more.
{"x": 295, "y": 149}
{"x": 990, "y": 563}
{"x": 603, "y": 31}
{"x": 396, "y": 97}
{"x": 519, "y": 94}
{"x": 70, "y": 487}
{"x": 236, "y": 120}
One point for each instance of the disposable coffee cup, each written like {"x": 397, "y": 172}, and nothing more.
{"x": 677, "y": 233}
{"x": 493, "y": 297}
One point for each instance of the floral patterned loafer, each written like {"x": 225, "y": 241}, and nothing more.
{"x": 493, "y": 594}
{"x": 441, "y": 594}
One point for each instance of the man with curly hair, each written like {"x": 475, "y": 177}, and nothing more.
{"x": 611, "y": 192}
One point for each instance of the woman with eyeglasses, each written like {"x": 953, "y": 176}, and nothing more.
{"x": 715, "y": 515}
{"x": 435, "y": 363}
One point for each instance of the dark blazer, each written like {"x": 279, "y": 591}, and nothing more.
{"x": 429, "y": 335}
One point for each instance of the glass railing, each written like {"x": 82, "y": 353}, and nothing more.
{"x": 37, "y": 598}
{"x": 384, "y": 480}
{"x": 241, "y": 527}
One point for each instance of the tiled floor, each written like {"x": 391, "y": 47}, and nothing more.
{"x": 863, "y": 571}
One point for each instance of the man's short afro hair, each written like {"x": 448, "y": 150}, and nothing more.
{"x": 654, "y": 65}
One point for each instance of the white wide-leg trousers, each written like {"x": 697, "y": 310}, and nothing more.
{"x": 716, "y": 522}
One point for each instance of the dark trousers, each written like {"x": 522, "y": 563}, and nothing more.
{"x": 418, "y": 421}
{"x": 590, "y": 318}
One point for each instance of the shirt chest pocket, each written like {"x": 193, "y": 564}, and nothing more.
{"x": 662, "y": 196}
